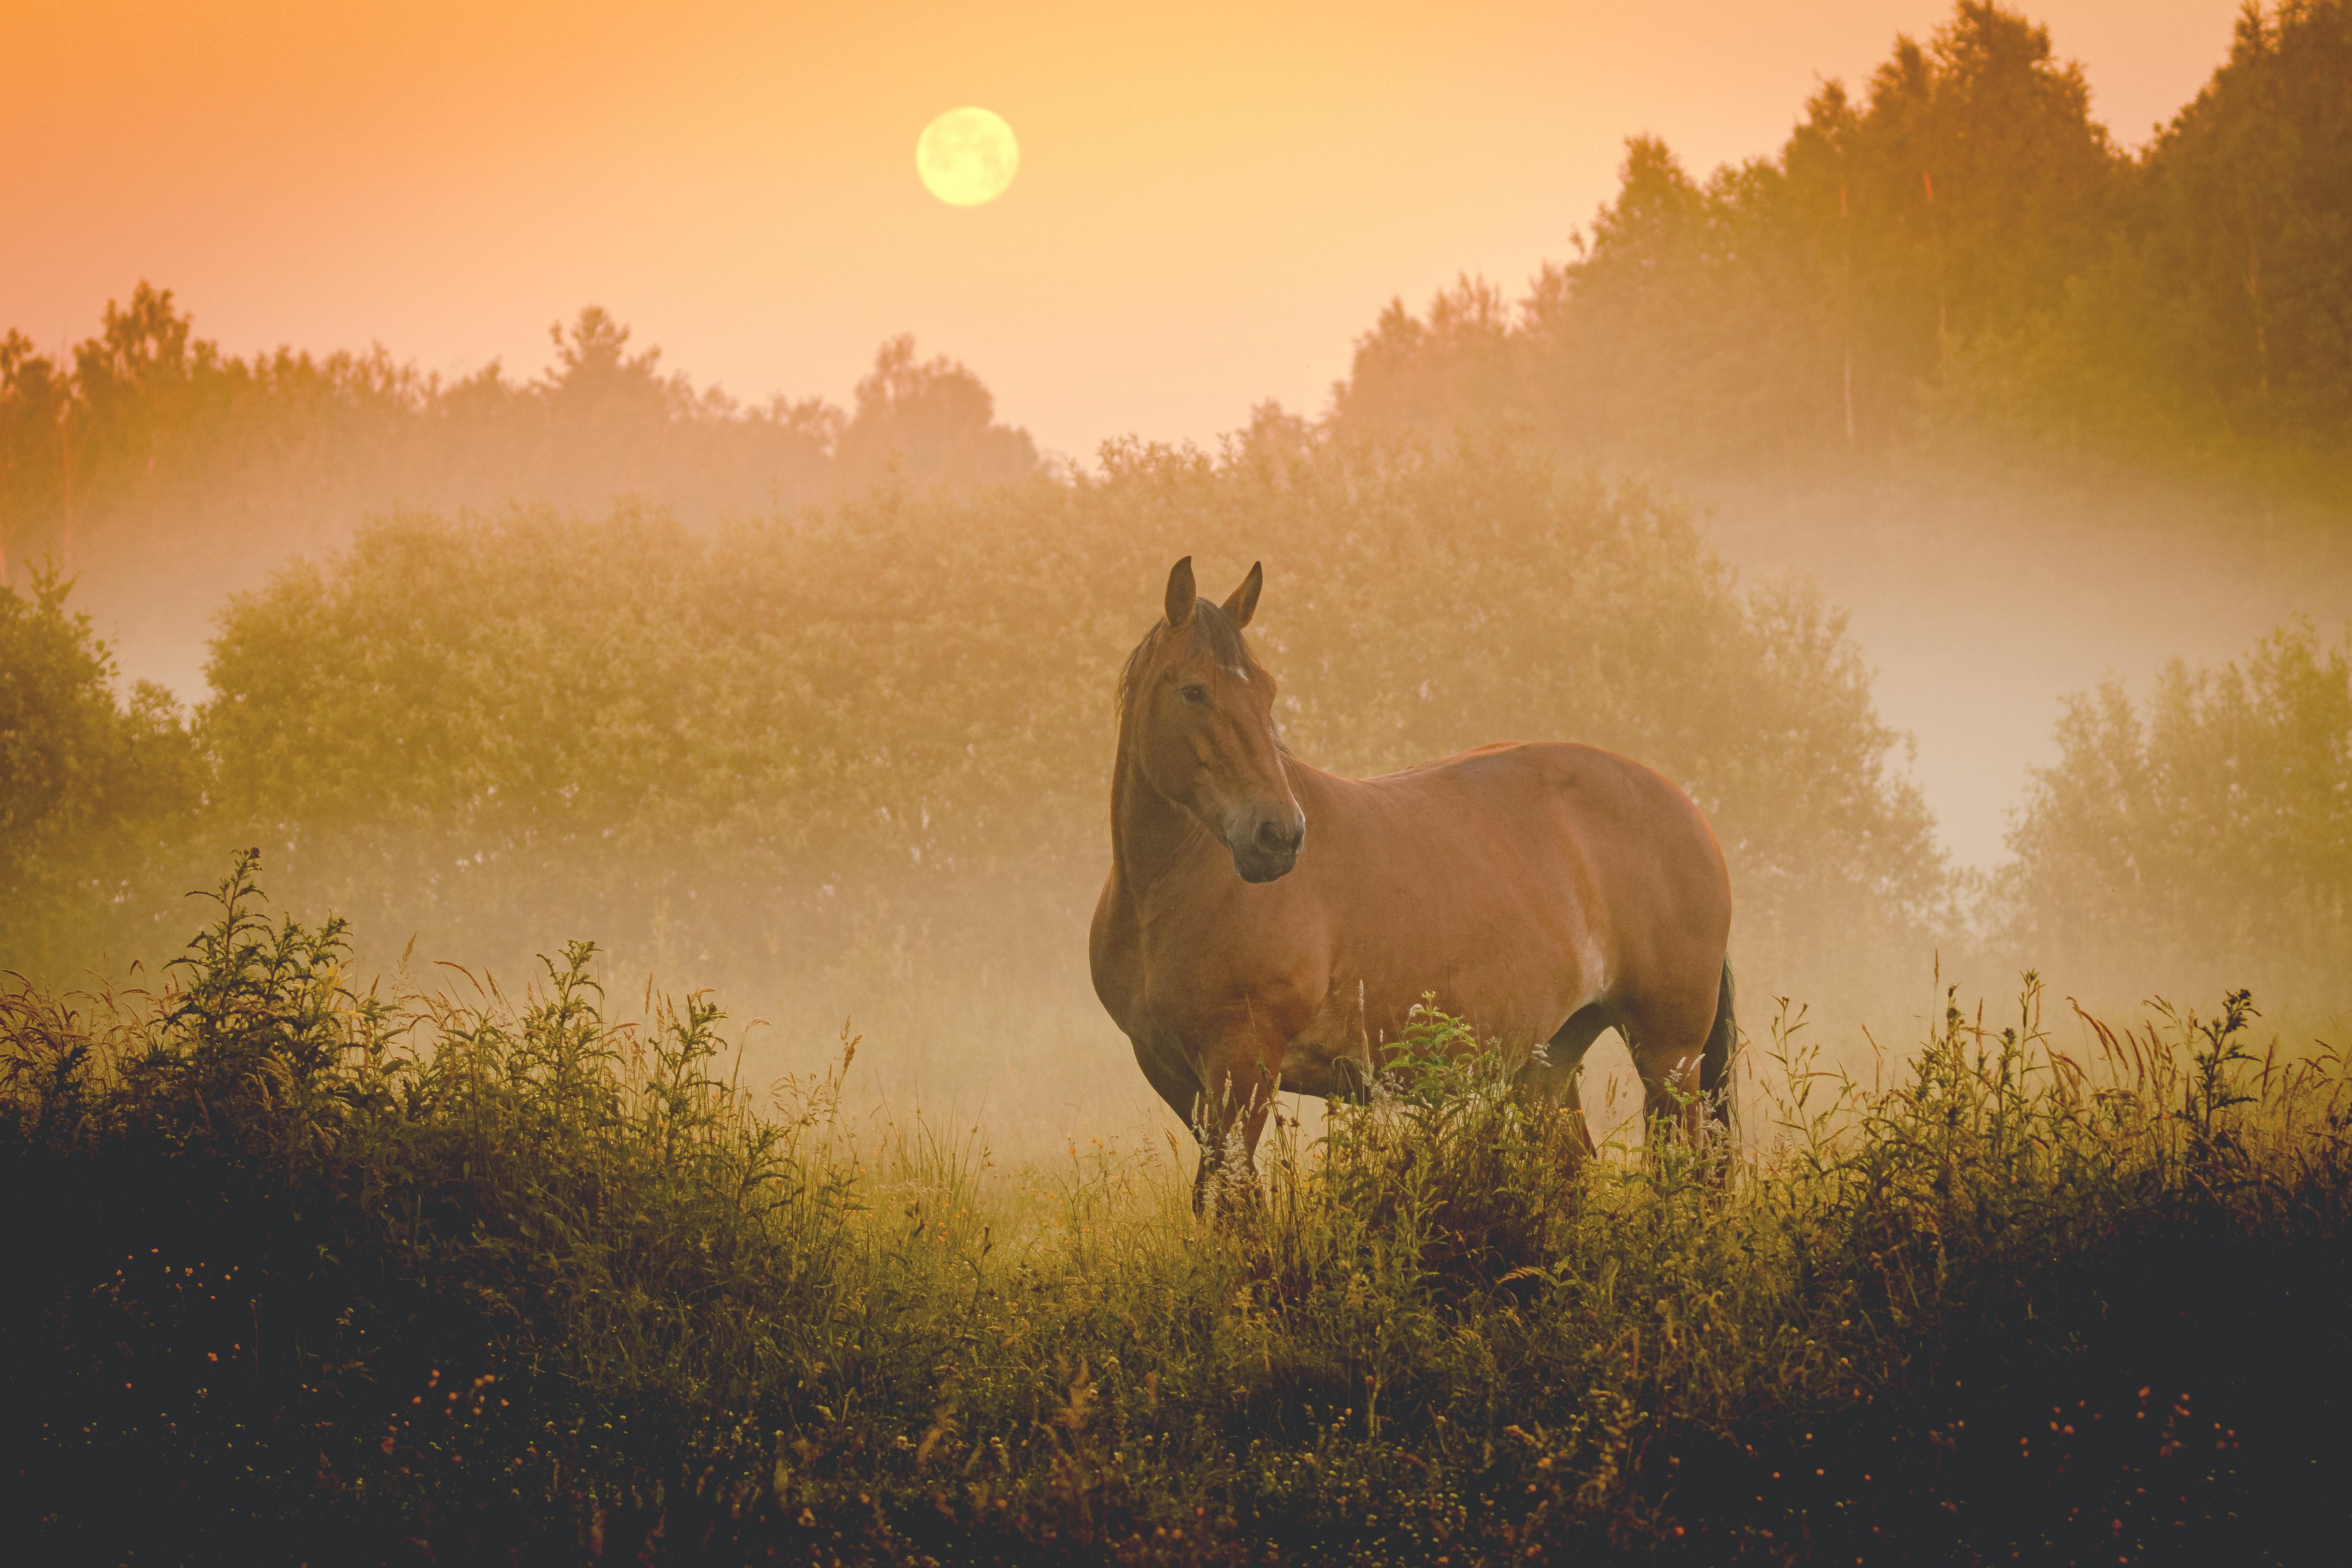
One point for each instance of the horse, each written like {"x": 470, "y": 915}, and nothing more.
{"x": 1266, "y": 923}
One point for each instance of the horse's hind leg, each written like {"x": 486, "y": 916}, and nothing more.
{"x": 1682, "y": 1049}
{"x": 1554, "y": 1073}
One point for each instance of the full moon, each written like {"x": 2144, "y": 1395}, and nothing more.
{"x": 967, "y": 156}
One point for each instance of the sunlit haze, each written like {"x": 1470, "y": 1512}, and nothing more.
{"x": 1214, "y": 198}
{"x": 1274, "y": 782}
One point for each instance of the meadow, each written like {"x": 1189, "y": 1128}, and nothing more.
{"x": 311, "y": 1271}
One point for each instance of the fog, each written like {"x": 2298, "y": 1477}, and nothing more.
{"x": 1976, "y": 612}
{"x": 1979, "y": 610}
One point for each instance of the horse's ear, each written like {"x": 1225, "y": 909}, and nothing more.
{"x": 1180, "y": 594}
{"x": 1243, "y": 604}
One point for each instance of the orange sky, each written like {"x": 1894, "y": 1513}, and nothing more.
{"x": 1214, "y": 199}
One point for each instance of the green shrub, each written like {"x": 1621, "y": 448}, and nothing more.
{"x": 1444, "y": 1172}
{"x": 2206, "y": 831}
{"x": 92, "y": 789}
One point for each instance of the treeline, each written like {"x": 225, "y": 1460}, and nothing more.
{"x": 738, "y": 749}
{"x": 1957, "y": 253}
{"x": 883, "y": 727}
{"x": 147, "y": 438}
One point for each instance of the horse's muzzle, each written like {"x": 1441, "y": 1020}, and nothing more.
{"x": 1271, "y": 849}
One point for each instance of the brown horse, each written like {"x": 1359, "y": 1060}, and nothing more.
{"x": 1266, "y": 922}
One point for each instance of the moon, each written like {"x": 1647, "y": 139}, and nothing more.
{"x": 967, "y": 156}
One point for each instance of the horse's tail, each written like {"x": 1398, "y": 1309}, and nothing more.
{"x": 1714, "y": 1058}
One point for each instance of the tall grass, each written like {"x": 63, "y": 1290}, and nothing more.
{"x": 306, "y": 1271}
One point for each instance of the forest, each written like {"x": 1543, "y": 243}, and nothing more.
{"x": 1956, "y": 256}
{"x": 626, "y": 1080}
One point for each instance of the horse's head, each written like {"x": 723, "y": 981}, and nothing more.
{"x": 1197, "y": 715}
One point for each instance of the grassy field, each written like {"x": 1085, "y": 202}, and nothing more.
{"x": 307, "y": 1274}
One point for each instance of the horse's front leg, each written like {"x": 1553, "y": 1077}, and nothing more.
{"x": 1237, "y": 1087}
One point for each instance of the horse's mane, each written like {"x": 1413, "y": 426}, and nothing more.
{"x": 1217, "y": 629}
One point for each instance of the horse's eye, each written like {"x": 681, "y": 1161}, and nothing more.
{"x": 1196, "y": 695}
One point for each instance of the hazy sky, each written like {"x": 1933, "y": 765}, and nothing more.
{"x": 1213, "y": 199}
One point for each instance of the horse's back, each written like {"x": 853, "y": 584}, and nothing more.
{"x": 1528, "y": 781}
{"x": 1656, "y": 869}
{"x": 1617, "y": 835}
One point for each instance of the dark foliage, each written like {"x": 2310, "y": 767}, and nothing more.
{"x": 306, "y": 1275}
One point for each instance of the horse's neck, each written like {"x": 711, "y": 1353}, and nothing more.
{"x": 1153, "y": 838}
{"x": 1150, "y": 835}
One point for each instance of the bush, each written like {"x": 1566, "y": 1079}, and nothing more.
{"x": 2206, "y": 832}
{"x": 92, "y": 790}
{"x": 350, "y": 1277}
{"x": 356, "y": 1193}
